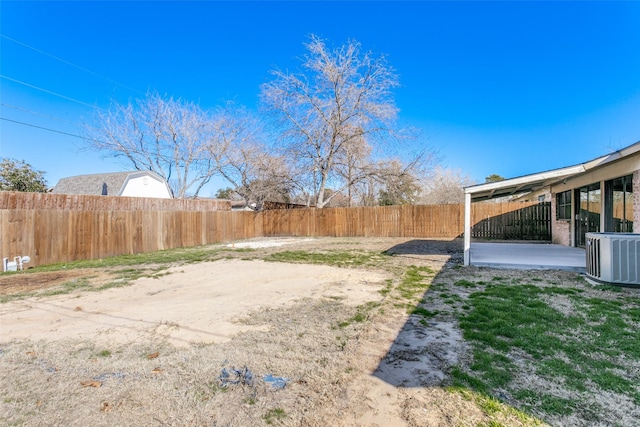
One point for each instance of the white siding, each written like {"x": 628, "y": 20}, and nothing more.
{"x": 145, "y": 186}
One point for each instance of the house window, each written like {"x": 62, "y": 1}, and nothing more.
{"x": 563, "y": 206}
{"x": 619, "y": 205}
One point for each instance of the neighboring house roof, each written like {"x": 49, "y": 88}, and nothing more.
{"x": 241, "y": 205}
{"x": 540, "y": 180}
{"x": 105, "y": 184}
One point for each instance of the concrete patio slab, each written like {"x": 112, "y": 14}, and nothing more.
{"x": 528, "y": 256}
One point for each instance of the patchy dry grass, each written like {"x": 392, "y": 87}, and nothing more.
{"x": 534, "y": 347}
{"x": 42, "y": 382}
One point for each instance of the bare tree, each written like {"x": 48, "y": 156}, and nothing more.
{"x": 331, "y": 113}
{"x": 169, "y": 136}
{"x": 399, "y": 184}
{"x": 254, "y": 170}
{"x": 445, "y": 186}
{"x": 256, "y": 174}
{"x": 353, "y": 165}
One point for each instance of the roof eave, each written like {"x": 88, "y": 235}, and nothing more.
{"x": 522, "y": 183}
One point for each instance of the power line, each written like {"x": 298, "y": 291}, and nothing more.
{"x": 15, "y": 107}
{"x": 86, "y": 70}
{"x": 51, "y": 130}
{"x": 46, "y": 91}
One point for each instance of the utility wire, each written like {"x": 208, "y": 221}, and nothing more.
{"x": 15, "y": 107}
{"x": 86, "y": 70}
{"x": 51, "y": 130}
{"x": 46, "y": 91}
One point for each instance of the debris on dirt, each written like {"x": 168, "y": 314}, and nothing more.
{"x": 237, "y": 376}
{"x": 276, "y": 382}
{"x": 46, "y": 366}
{"x": 153, "y": 355}
{"x": 91, "y": 384}
{"x": 105, "y": 407}
{"x": 105, "y": 376}
{"x": 157, "y": 370}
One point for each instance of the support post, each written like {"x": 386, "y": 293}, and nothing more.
{"x": 467, "y": 229}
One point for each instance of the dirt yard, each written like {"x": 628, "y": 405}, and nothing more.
{"x": 193, "y": 304}
{"x": 320, "y": 345}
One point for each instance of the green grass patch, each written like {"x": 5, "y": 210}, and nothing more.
{"x": 67, "y": 287}
{"x": 494, "y": 408}
{"x": 546, "y": 403}
{"x": 104, "y": 353}
{"x": 249, "y": 400}
{"x": 274, "y": 415}
{"x": 338, "y": 258}
{"x": 421, "y": 311}
{"x": 579, "y": 350}
{"x": 465, "y": 284}
{"x": 169, "y": 256}
{"x": 361, "y": 315}
{"x": 388, "y": 287}
{"x": 415, "y": 282}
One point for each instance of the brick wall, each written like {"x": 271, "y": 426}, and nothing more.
{"x": 561, "y": 233}
{"x": 560, "y": 230}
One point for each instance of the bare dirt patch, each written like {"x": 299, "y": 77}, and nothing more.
{"x": 189, "y": 304}
{"x": 24, "y": 282}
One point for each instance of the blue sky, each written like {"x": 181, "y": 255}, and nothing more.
{"x": 510, "y": 88}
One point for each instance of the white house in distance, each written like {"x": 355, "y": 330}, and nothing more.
{"x": 127, "y": 184}
{"x": 595, "y": 196}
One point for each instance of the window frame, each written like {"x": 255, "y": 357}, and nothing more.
{"x": 563, "y": 206}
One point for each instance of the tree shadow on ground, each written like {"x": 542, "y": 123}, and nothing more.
{"x": 421, "y": 355}
{"x": 423, "y": 249}
{"x": 424, "y": 350}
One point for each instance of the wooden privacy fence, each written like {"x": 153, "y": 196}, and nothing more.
{"x": 444, "y": 221}
{"x": 50, "y": 235}
{"x": 527, "y": 223}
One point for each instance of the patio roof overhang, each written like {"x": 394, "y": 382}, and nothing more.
{"x": 523, "y": 184}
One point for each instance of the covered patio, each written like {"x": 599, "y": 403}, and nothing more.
{"x": 594, "y": 196}
{"x": 519, "y": 255}
{"x": 528, "y": 256}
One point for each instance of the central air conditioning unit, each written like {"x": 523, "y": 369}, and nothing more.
{"x": 613, "y": 258}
